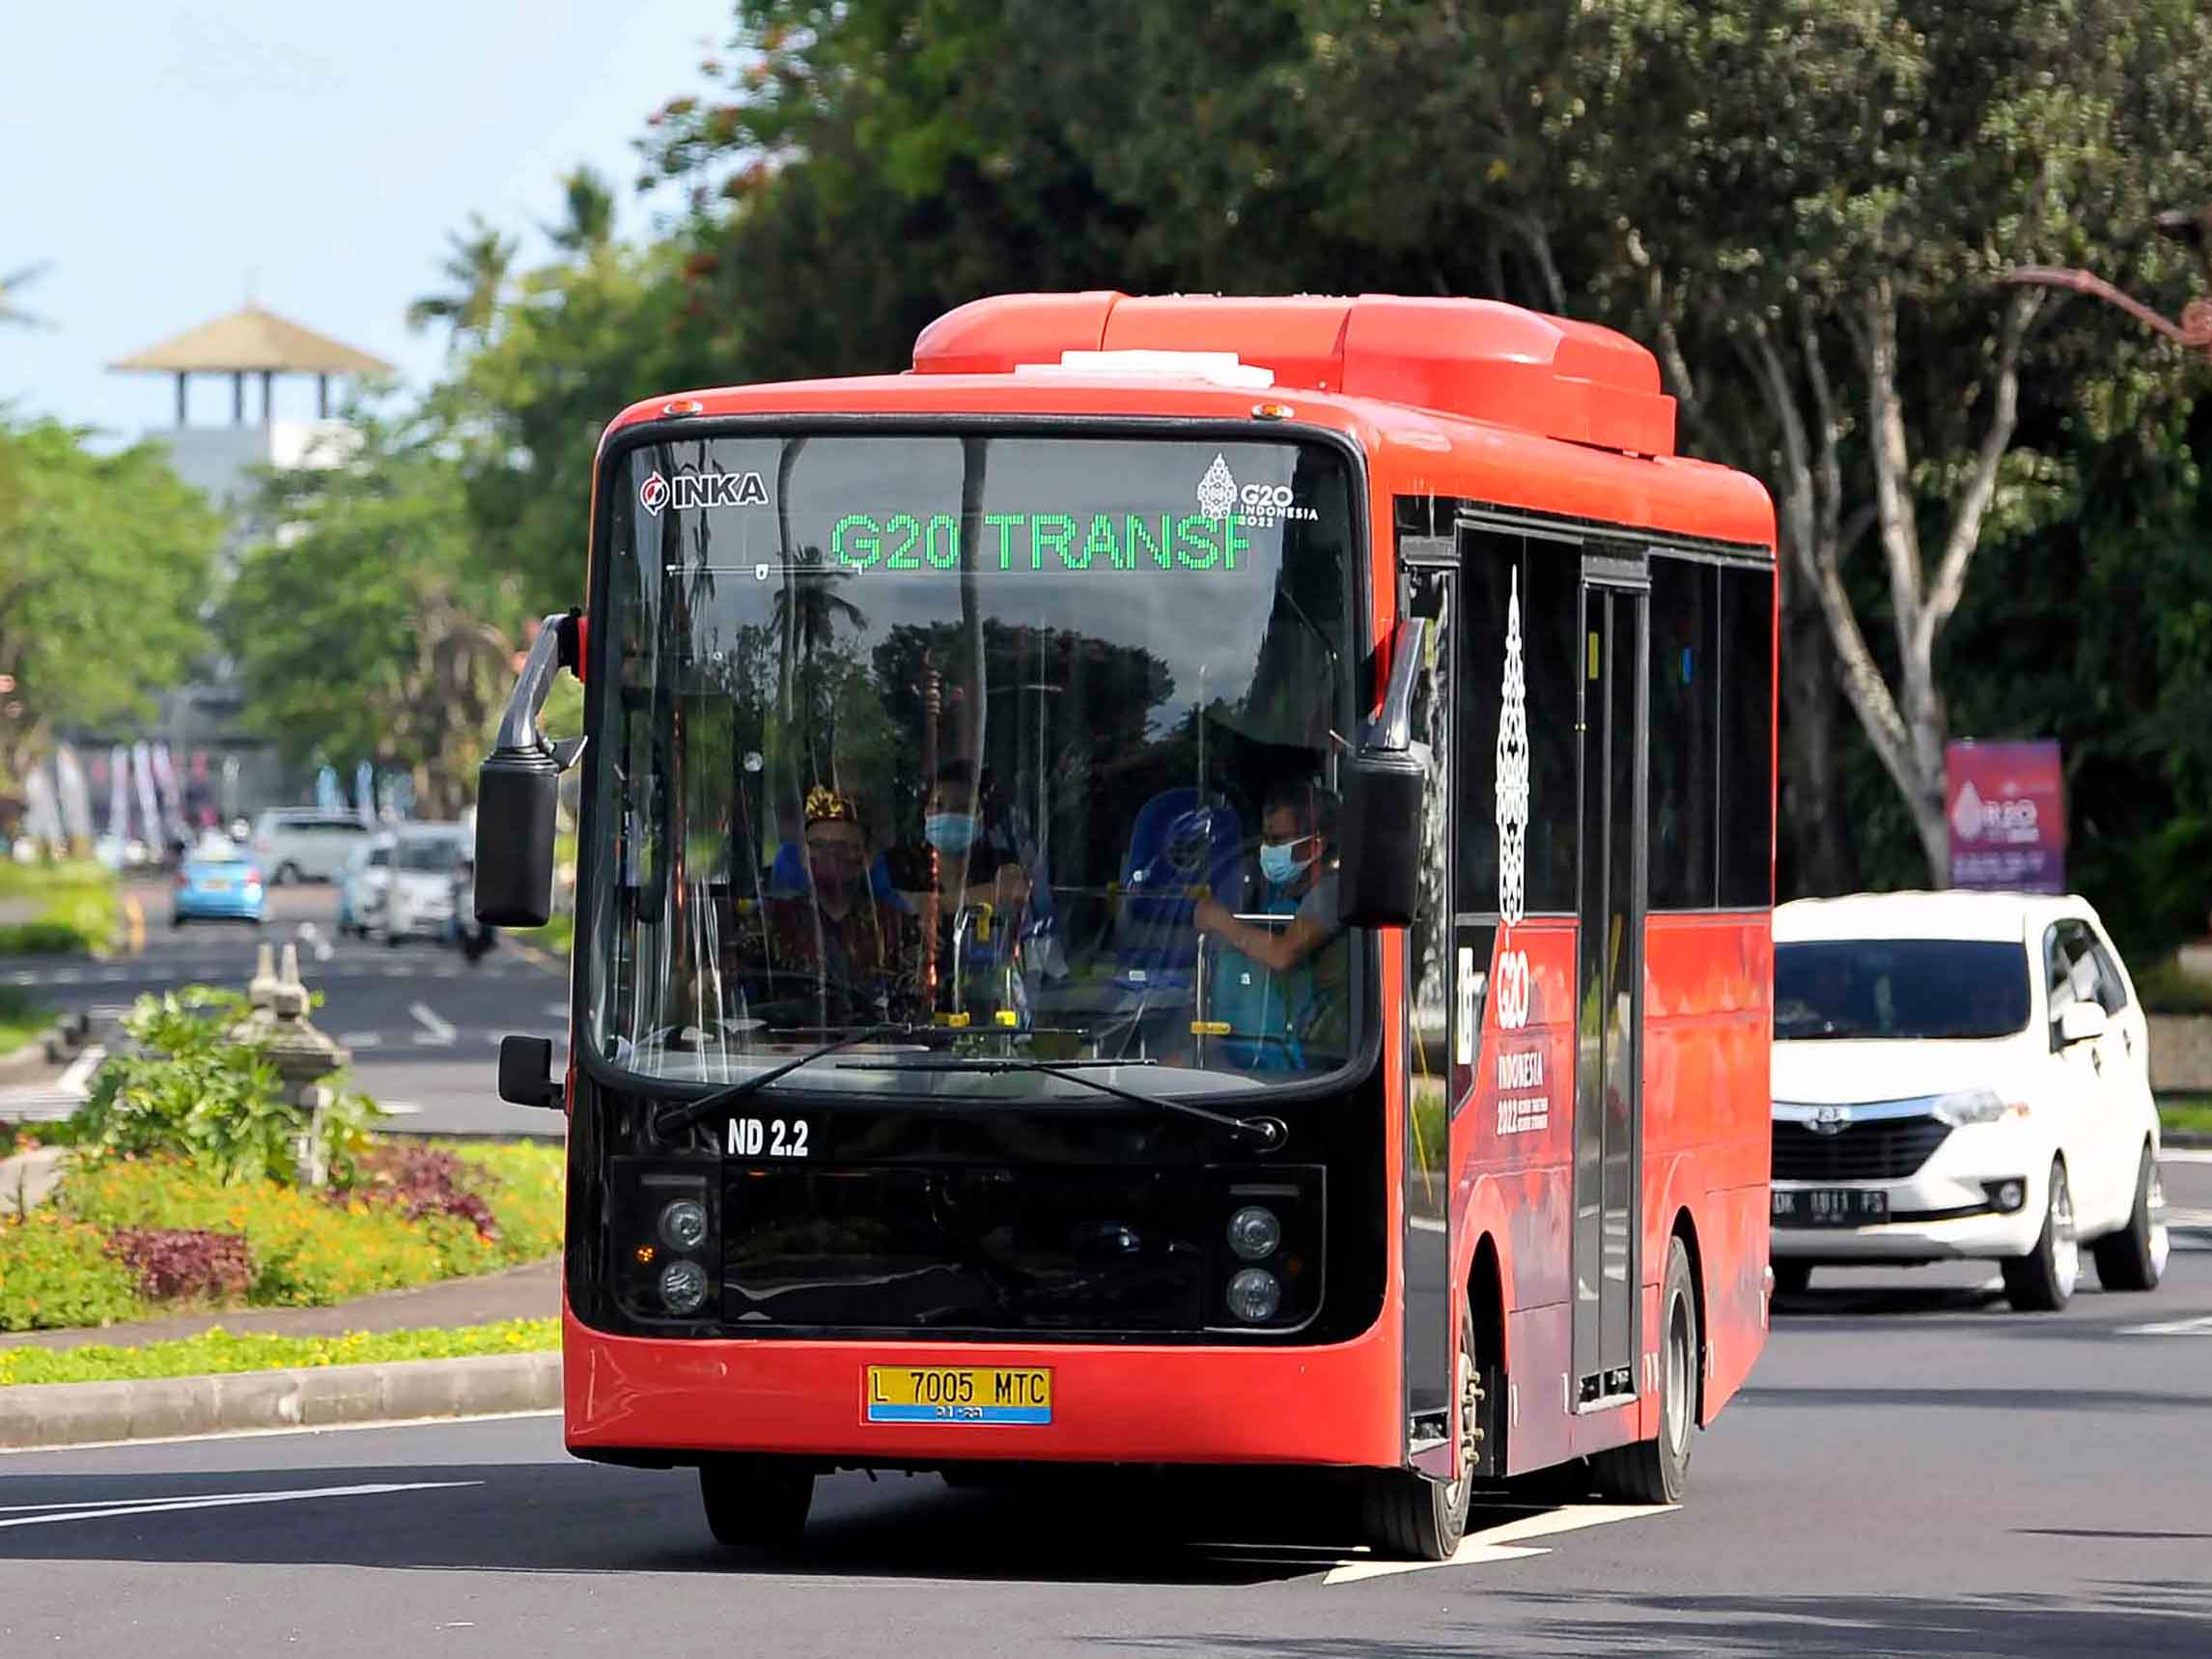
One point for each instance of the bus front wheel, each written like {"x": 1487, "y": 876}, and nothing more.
{"x": 1655, "y": 1471}
{"x": 756, "y": 1502}
{"x": 1413, "y": 1517}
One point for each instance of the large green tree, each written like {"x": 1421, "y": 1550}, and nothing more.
{"x": 368, "y": 626}
{"x": 104, "y": 564}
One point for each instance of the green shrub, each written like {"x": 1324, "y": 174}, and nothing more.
{"x": 43, "y": 938}
{"x": 309, "y": 1250}
{"x": 56, "y": 1273}
{"x": 196, "y": 1092}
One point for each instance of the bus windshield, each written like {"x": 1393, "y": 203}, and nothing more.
{"x": 972, "y": 746}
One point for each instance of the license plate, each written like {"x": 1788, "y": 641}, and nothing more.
{"x": 1830, "y": 1207}
{"x": 959, "y": 1394}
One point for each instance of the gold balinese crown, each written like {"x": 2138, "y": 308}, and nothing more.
{"x": 825, "y": 805}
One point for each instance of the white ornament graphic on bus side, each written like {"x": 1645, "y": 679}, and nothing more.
{"x": 1512, "y": 988}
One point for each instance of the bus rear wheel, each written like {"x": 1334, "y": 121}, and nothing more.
{"x": 756, "y": 1502}
{"x": 1655, "y": 1471}
{"x": 1413, "y": 1518}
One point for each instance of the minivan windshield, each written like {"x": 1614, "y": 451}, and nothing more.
{"x": 1022, "y": 745}
{"x": 1899, "y": 988}
{"x": 428, "y": 856}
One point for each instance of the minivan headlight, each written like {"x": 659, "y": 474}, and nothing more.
{"x": 1974, "y": 1106}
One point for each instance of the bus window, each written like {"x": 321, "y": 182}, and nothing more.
{"x": 1747, "y": 738}
{"x": 1685, "y": 783}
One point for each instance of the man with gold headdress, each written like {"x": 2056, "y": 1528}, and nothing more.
{"x": 864, "y": 948}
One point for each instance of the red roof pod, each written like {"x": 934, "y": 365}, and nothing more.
{"x": 1477, "y": 358}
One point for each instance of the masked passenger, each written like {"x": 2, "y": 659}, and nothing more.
{"x": 1281, "y": 988}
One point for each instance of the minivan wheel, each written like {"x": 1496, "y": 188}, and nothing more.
{"x": 2043, "y": 1280}
{"x": 2134, "y": 1259}
{"x": 287, "y": 874}
{"x": 1792, "y": 1276}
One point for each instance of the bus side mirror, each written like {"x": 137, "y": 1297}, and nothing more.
{"x": 518, "y": 792}
{"x": 1379, "y": 867}
{"x": 527, "y": 1072}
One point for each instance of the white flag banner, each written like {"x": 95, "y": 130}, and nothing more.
{"x": 119, "y": 795}
{"x": 149, "y": 808}
{"x": 74, "y": 797}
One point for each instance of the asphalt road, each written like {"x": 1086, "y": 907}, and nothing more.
{"x": 424, "y": 1024}
{"x": 1913, "y": 1470}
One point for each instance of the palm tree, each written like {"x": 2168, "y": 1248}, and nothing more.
{"x": 10, "y": 311}
{"x": 587, "y": 222}
{"x": 476, "y": 263}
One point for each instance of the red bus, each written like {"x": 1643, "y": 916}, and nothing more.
{"x": 1185, "y": 883}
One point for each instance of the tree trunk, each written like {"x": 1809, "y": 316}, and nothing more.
{"x": 1819, "y": 857}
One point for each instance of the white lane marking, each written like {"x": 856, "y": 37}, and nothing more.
{"x": 435, "y": 1032}
{"x": 72, "y": 1081}
{"x": 2200, "y": 1326}
{"x": 66, "y": 975}
{"x": 22, "y": 978}
{"x": 1501, "y": 1543}
{"x": 2185, "y": 1155}
{"x": 1428, "y": 1225}
{"x": 361, "y": 1039}
{"x": 556, "y": 1010}
{"x": 399, "y": 1108}
{"x": 228, "y": 1501}
{"x": 2188, "y": 1218}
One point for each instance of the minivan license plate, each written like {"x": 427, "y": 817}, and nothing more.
{"x": 1830, "y": 1207}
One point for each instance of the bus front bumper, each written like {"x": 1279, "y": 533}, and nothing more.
{"x": 1112, "y": 1403}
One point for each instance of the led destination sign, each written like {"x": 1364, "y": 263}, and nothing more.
{"x": 1041, "y": 540}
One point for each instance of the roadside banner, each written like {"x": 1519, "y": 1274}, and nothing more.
{"x": 2007, "y": 806}
{"x": 119, "y": 795}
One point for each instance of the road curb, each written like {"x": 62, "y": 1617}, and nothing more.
{"x": 48, "y": 1415}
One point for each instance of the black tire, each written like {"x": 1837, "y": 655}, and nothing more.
{"x": 391, "y": 938}
{"x": 176, "y": 920}
{"x": 1656, "y": 1471}
{"x": 756, "y": 1502}
{"x": 2042, "y": 1281}
{"x": 1792, "y": 1276}
{"x": 2134, "y": 1259}
{"x": 287, "y": 874}
{"x": 1410, "y": 1517}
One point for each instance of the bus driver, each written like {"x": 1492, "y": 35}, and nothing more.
{"x": 1281, "y": 988}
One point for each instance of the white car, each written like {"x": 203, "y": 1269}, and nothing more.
{"x": 361, "y": 885}
{"x": 296, "y": 844}
{"x": 1962, "y": 1075}
{"x": 418, "y": 899}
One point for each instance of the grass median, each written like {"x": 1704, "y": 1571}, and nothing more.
{"x": 22, "y": 1018}
{"x": 78, "y": 908}
{"x": 2185, "y": 1114}
{"x": 218, "y": 1350}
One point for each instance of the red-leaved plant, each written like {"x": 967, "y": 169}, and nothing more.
{"x": 421, "y": 1181}
{"x": 184, "y": 1264}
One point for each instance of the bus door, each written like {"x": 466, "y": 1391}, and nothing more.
{"x": 1434, "y": 1003}
{"x": 1608, "y": 1016}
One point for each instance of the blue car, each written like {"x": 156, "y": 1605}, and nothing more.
{"x": 217, "y": 882}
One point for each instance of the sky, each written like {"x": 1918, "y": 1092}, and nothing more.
{"x": 169, "y": 157}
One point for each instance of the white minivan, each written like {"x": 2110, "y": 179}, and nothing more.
{"x": 299, "y": 843}
{"x": 1962, "y": 1075}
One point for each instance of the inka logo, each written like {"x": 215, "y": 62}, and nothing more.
{"x": 1217, "y": 489}
{"x": 701, "y": 490}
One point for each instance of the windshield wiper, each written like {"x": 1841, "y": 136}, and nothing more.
{"x": 678, "y": 1118}
{"x": 1268, "y": 1132}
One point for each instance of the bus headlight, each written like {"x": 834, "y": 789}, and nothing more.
{"x": 683, "y": 1287}
{"x": 1254, "y": 1233}
{"x": 1254, "y": 1294}
{"x": 683, "y": 1224}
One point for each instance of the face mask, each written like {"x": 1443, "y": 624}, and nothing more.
{"x": 950, "y": 832}
{"x": 829, "y": 878}
{"x": 1280, "y": 863}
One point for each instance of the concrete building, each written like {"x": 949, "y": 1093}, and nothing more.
{"x": 221, "y": 767}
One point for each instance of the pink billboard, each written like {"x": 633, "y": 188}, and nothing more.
{"x": 2007, "y": 806}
